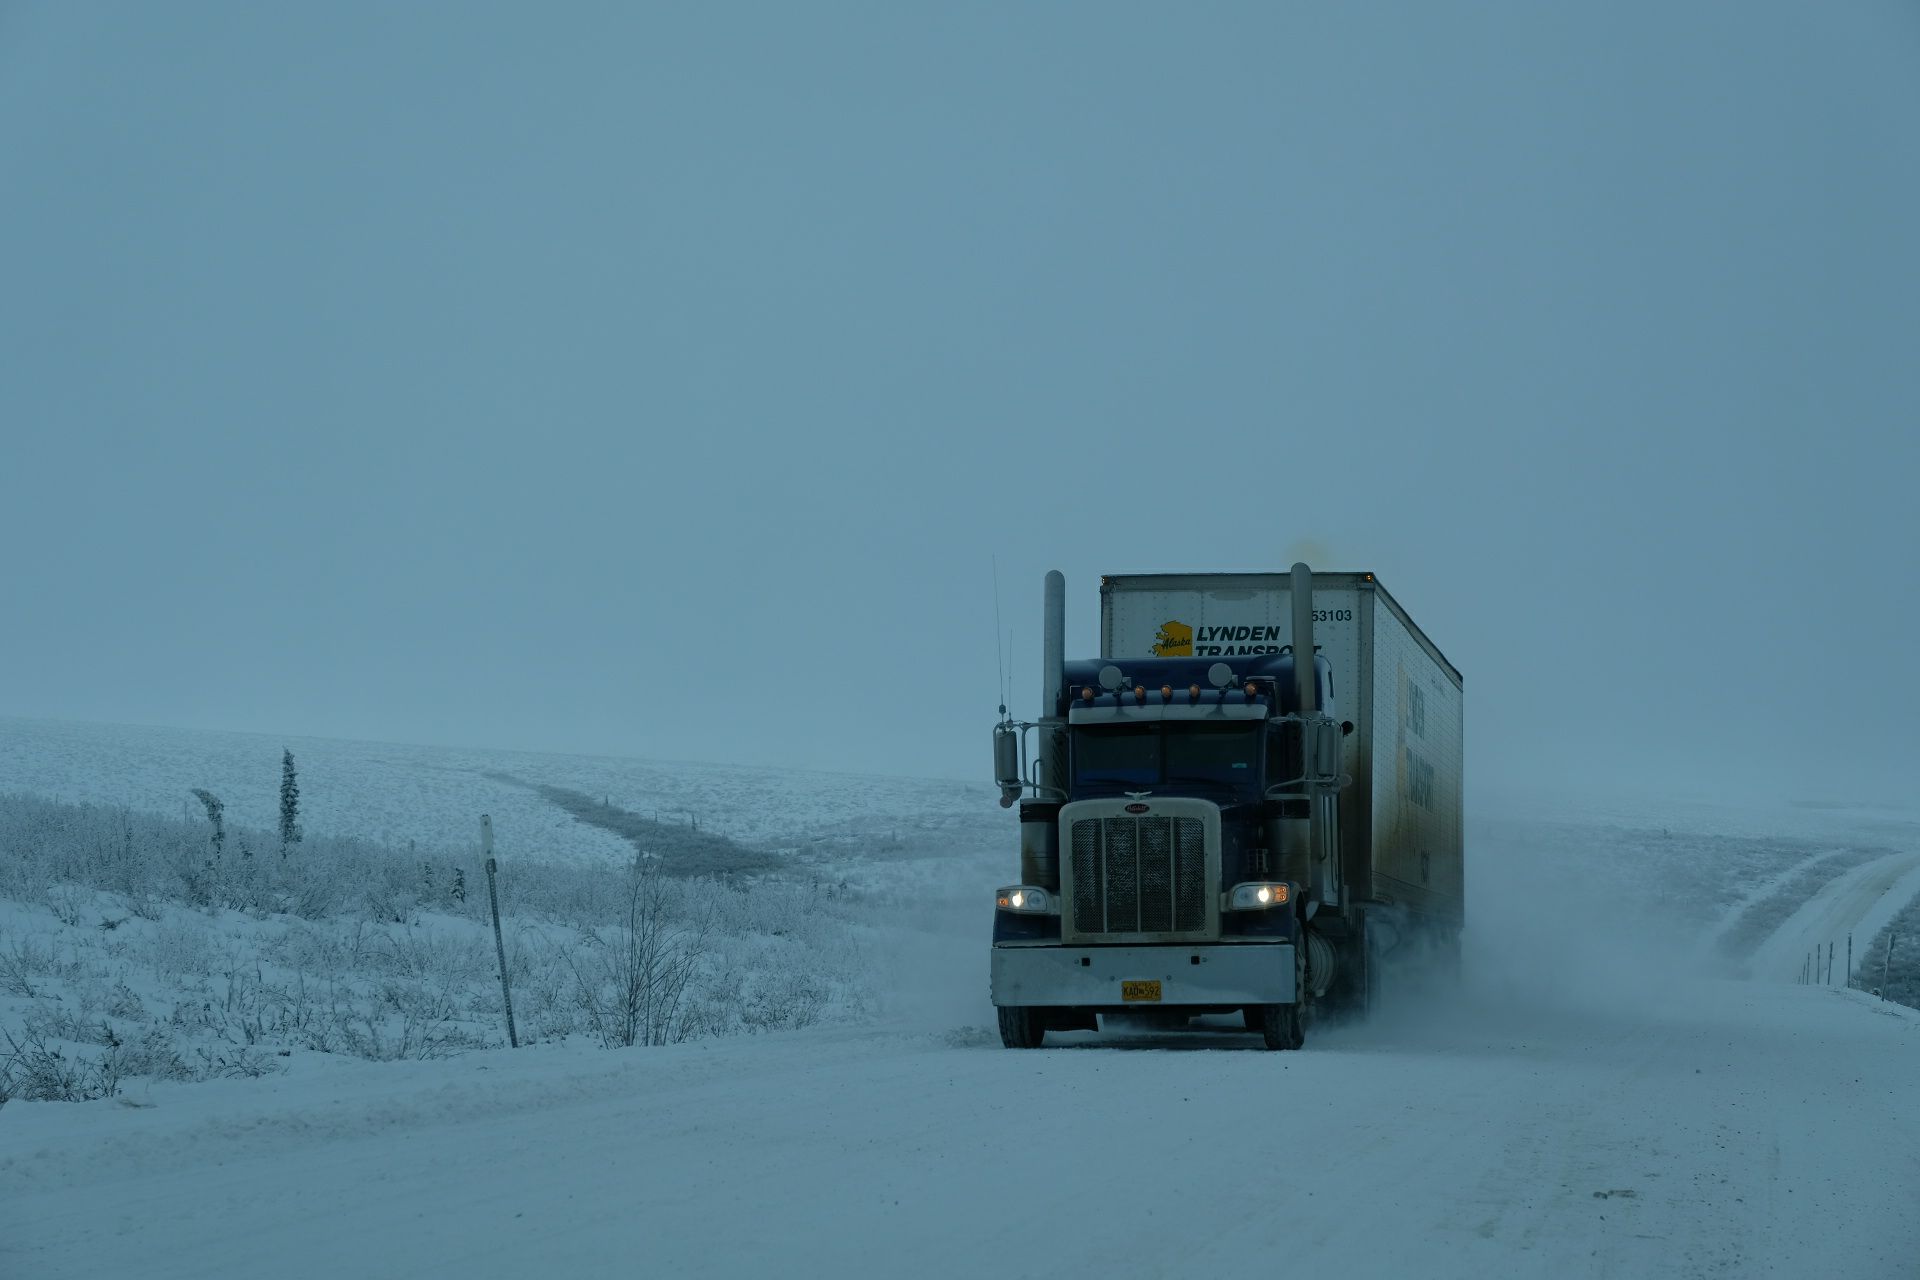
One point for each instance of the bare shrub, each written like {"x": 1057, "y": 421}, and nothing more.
{"x": 30, "y": 965}
{"x": 124, "y": 1002}
{"x": 411, "y": 1031}
{"x": 714, "y": 1007}
{"x": 179, "y": 949}
{"x": 544, "y": 986}
{"x": 784, "y": 1001}
{"x": 235, "y": 1063}
{"x": 37, "y": 1070}
{"x": 150, "y": 1053}
{"x": 67, "y": 903}
{"x": 144, "y": 904}
{"x": 48, "y": 1021}
{"x": 21, "y": 962}
{"x": 632, "y": 977}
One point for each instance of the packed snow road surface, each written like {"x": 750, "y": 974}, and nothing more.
{"x": 1728, "y": 1130}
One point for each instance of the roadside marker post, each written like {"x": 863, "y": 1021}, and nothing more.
{"x": 499, "y": 943}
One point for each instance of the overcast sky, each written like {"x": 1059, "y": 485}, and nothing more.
{"x": 664, "y": 381}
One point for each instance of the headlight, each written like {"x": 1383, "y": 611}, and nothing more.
{"x": 1259, "y": 895}
{"x": 1025, "y": 899}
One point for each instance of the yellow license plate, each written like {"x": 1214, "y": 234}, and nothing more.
{"x": 1140, "y": 992}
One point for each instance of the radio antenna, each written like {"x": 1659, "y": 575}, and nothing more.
{"x": 999, "y": 660}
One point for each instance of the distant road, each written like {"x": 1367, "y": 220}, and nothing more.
{"x": 1859, "y": 902}
{"x": 674, "y": 848}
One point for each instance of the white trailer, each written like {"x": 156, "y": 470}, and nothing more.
{"x": 1401, "y": 823}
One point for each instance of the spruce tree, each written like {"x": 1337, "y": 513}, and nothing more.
{"x": 216, "y": 815}
{"x": 289, "y": 803}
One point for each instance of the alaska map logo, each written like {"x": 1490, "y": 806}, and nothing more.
{"x": 1176, "y": 640}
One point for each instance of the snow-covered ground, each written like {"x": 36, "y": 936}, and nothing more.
{"x": 433, "y": 796}
{"x": 1594, "y": 1101}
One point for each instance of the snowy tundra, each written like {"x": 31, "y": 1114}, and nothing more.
{"x": 1631, "y": 1082}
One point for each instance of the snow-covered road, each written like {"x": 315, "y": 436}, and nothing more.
{"x": 1859, "y": 902}
{"x": 1733, "y": 1130}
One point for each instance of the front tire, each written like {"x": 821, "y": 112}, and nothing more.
{"x": 1281, "y": 1027}
{"x": 1022, "y": 1026}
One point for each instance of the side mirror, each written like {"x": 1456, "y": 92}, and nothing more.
{"x": 1326, "y": 749}
{"x": 1006, "y": 764}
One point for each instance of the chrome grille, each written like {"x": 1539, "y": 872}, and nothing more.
{"x": 1089, "y": 903}
{"x": 1156, "y": 874}
{"x": 1190, "y": 874}
{"x": 1139, "y": 875}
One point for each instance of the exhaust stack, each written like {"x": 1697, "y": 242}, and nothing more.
{"x": 1305, "y": 683}
{"x": 1053, "y": 663}
{"x": 1303, "y": 664}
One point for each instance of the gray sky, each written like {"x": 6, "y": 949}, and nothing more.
{"x": 662, "y": 381}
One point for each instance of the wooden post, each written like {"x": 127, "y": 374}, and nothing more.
{"x": 1829, "y": 964}
{"x": 1886, "y": 960}
{"x": 499, "y": 943}
{"x": 1849, "y": 962}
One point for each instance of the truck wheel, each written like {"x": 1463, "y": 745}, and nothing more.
{"x": 1280, "y": 1026}
{"x": 1022, "y": 1026}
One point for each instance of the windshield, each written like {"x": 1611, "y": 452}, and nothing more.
{"x": 1148, "y": 756}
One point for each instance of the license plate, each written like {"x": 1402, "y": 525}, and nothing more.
{"x": 1140, "y": 992}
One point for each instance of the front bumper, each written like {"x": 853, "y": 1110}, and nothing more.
{"x": 1197, "y": 974}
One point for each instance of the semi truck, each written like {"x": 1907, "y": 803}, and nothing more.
{"x": 1249, "y": 803}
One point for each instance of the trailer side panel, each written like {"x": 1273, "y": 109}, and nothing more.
{"x": 1416, "y": 771}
